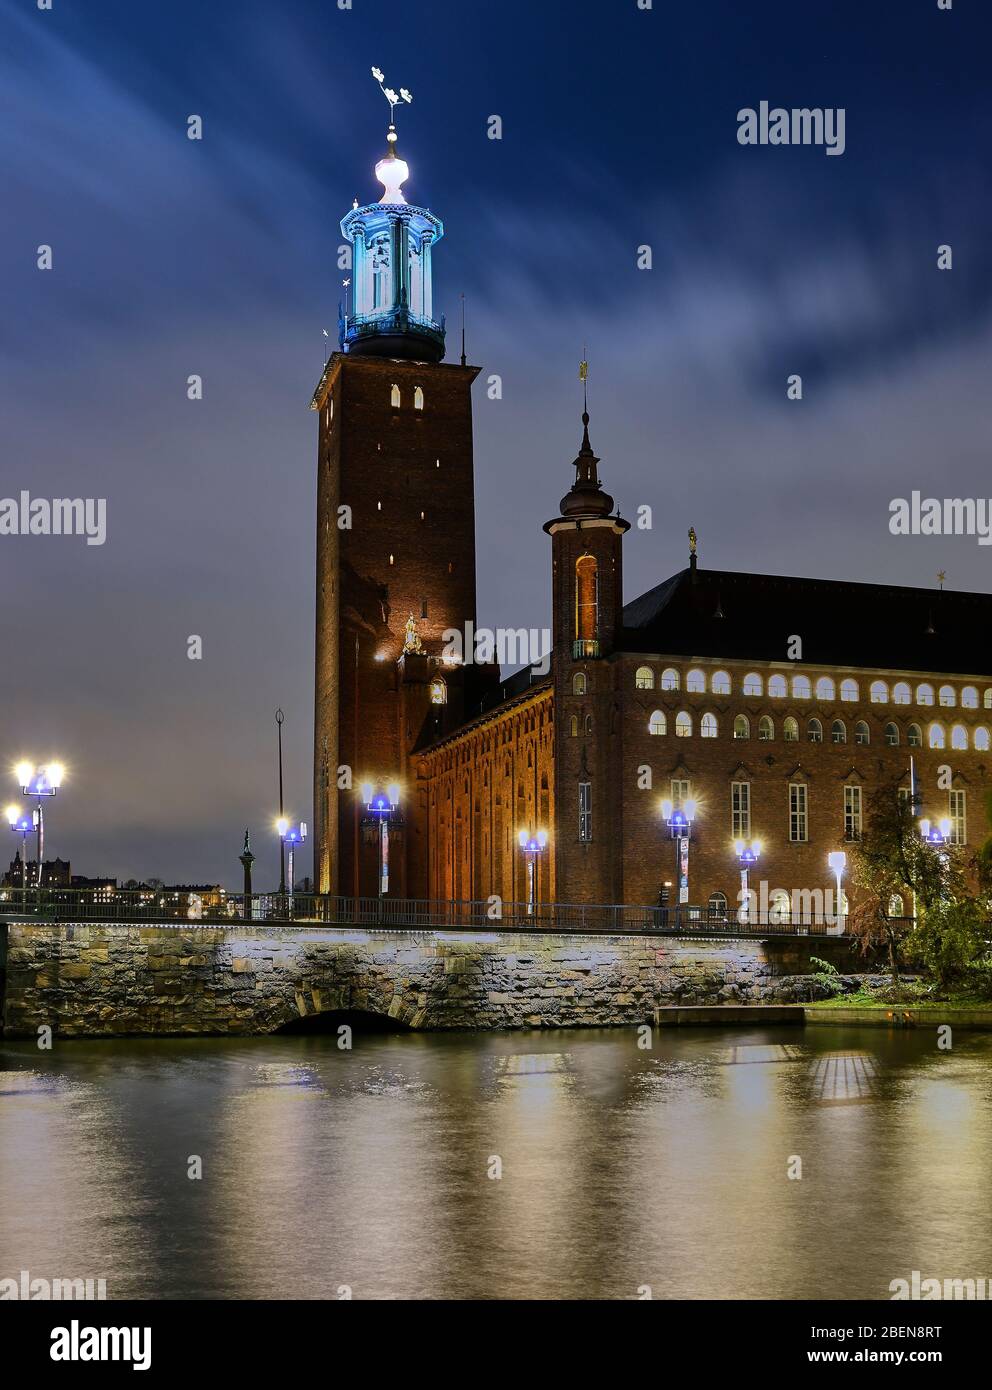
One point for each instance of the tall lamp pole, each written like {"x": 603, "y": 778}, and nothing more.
{"x": 747, "y": 857}
{"x": 380, "y": 808}
{"x": 532, "y": 846}
{"x": 292, "y": 836}
{"x": 40, "y": 782}
{"x": 22, "y": 825}
{"x": 282, "y": 848}
{"x": 679, "y": 821}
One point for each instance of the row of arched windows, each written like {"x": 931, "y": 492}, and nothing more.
{"x": 780, "y": 906}
{"x": 825, "y": 688}
{"x": 396, "y": 397}
{"x": 937, "y": 734}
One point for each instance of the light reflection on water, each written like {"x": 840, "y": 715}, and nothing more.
{"x": 620, "y": 1167}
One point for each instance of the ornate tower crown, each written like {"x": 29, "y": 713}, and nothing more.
{"x": 393, "y": 309}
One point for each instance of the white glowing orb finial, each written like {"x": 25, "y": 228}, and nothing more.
{"x": 392, "y": 172}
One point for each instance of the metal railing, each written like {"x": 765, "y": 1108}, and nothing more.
{"x": 185, "y": 908}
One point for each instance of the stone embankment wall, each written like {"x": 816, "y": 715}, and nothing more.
{"x": 102, "y": 980}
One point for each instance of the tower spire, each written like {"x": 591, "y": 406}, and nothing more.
{"x": 586, "y": 497}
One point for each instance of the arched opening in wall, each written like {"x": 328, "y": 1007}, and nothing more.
{"x": 586, "y": 605}
{"x": 360, "y": 1021}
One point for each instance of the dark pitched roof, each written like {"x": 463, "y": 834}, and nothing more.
{"x": 716, "y": 613}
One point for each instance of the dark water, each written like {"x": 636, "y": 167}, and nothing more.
{"x": 620, "y": 1167}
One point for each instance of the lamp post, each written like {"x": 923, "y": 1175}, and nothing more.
{"x": 837, "y": 860}
{"x": 40, "y": 782}
{"x": 282, "y": 848}
{"x": 747, "y": 856}
{"x": 532, "y": 846}
{"x": 21, "y": 824}
{"x": 679, "y": 821}
{"x": 937, "y": 835}
{"x": 380, "y": 809}
{"x": 291, "y": 835}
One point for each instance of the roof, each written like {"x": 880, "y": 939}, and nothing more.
{"x": 721, "y": 614}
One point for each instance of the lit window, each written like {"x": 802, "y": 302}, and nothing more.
{"x": 439, "y": 691}
{"x": 695, "y": 682}
{"x": 587, "y": 605}
{"x": 720, "y": 684}
{"x": 790, "y": 729}
{"x": 838, "y": 731}
{"x": 861, "y": 734}
{"x": 777, "y": 687}
{"x": 657, "y": 723}
{"x": 573, "y": 726}
{"x": 644, "y": 678}
{"x": 718, "y": 907}
{"x": 742, "y": 728}
{"x": 849, "y": 690}
{"x": 825, "y": 689}
{"x": 740, "y": 810}
{"x": 924, "y": 694}
{"x": 892, "y": 735}
{"x": 707, "y": 726}
{"x": 752, "y": 683}
{"x": 766, "y": 729}
{"x": 585, "y": 812}
{"x": 959, "y": 736}
{"x": 901, "y": 693}
{"x": 914, "y": 736}
{"x": 669, "y": 679}
{"x": 588, "y": 723}
{"x": 683, "y": 724}
{"x": 680, "y": 793}
{"x": 814, "y": 731}
{"x": 418, "y": 398}
{"x": 936, "y": 737}
{"x": 852, "y": 813}
{"x": 947, "y": 697}
{"x": 801, "y": 688}
{"x": 896, "y": 906}
{"x": 798, "y": 812}
{"x": 579, "y": 684}
{"x": 969, "y": 697}
{"x": 957, "y": 804}
{"x": 394, "y": 396}
{"x": 987, "y": 698}
{"x": 982, "y": 739}
{"x": 879, "y": 693}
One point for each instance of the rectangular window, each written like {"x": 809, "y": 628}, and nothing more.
{"x": 585, "y": 811}
{"x": 798, "y": 811}
{"x": 957, "y": 808}
{"x": 740, "y": 810}
{"x": 904, "y": 794}
{"x": 680, "y": 794}
{"x": 852, "y": 813}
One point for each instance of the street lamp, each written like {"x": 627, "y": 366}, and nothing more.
{"x": 938, "y": 834}
{"x": 21, "y": 824}
{"x": 747, "y": 856}
{"x": 380, "y": 809}
{"x": 679, "y": 821}
{"x": 39, "y": 782}
{"x": 532, "y": 846}
{"x": 291, "y": 836}
{"x": 837, "y": 860}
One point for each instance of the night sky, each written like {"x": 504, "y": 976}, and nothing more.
{"x": 219, "y": 257}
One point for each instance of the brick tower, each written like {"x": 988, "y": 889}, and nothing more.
{"x": 587, "y": 598}
{"x": 395, "y": 545}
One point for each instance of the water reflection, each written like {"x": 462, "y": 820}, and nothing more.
{"x": 547, "y": 1165}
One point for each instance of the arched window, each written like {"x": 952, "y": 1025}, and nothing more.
{"x": 838, "y": 731}
{"x": 718, "y": 906}
{"x": 720, "y": 684}
{"x": 790, "y": 729}
{"x": 586, "y": 606}
{"x": 861, "y": 734}
{"x": 801, "y": 688}
{"x": 892, "y": 735}
{"x": 418, "y": 398}
{"x": 896, "y": 906}
{"x": 669, "y": 679}
{"x": 742, "y": 727}
{"x": 879, "y": 693}
{"x": 752, "y": 683}
{"x": 814, "y": 731}
{"x": 825, "y": 689}
{"x": 394, "y": 396}
{"x": 439, "y": 691}
{"x": 707, "y": 726}
{"x": 777, "y": 687}
{"x": 573, "y": 726}
{"x": 588, "y": 723}
{"x": 683, "y": 724}
{"x": 982, "y": 739}
{"x": 644, "y": 678}
{"x": 914, "y": 736}
{"x": 695, "y": 682}
{"x": 924, "y": 694}
{"x": 779, "y": 908}
{"x": 936, "y": 738}
{"x": 987, "y": 697}
{"x": 579, "y": 683}
{"x": 959, "y": 736}
{"x": 849, "y": 690}
{"x": 657, "y": 724}
{"x": 901, "y": 693}
{"x": 947, "y": 697}
{"x": 766, "y": 729}
{"x": 969, "y": 697}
